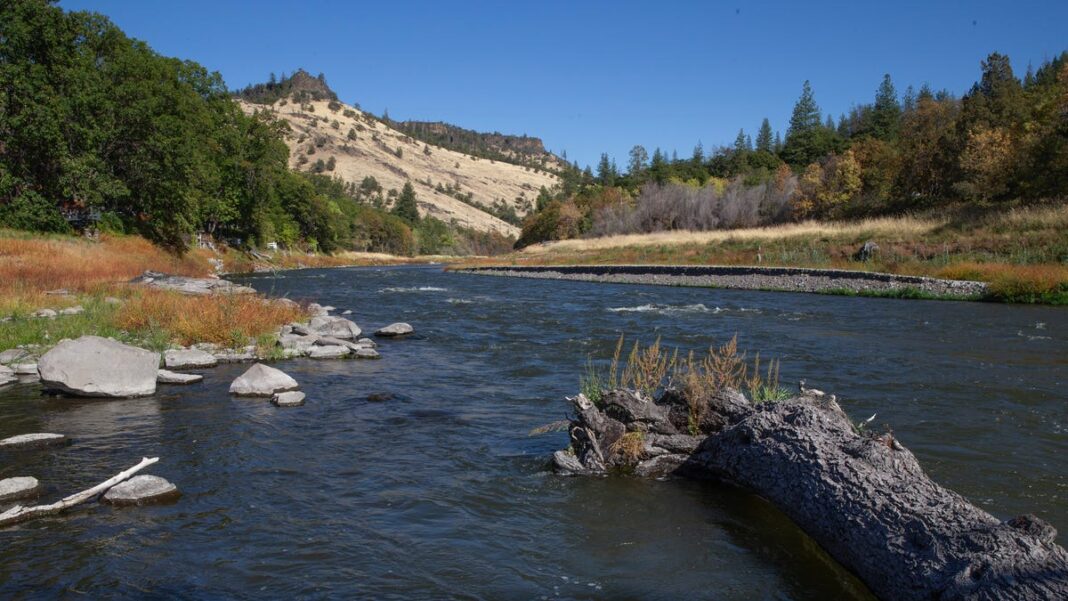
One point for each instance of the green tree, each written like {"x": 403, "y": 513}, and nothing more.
{"x": 806, "y": 139}
{"x": 406, "y": 207}
{"x": 764, "y": 139}
{"x": 885, "y": 118}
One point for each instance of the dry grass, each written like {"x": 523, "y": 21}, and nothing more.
{"x": 228, "y": 320}
{"x": 31, "y": 266}
{"x": 630, "y": 447}
{"x": 890, "y": 226}
{"x": 1015, "y": 283}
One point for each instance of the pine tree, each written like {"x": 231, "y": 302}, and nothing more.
{"x": 763, "y": 140}
{"x": 885, "y": 119}
{"x": 739, "y": 142}
{"x": 698, "y": 154}
{"x": 605, "y": 173}
{"x": 407, "y": 208}
{"x": 806, "y": 139}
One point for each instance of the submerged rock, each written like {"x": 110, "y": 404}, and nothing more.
{"x": 37, "y": 440}
{"x": 99, "y": 367}
{"x": 188, "y": 359}
{"x": 19, "y": 487}
{"x": 293, "y": 398}
{"x": 380, "y": 397}
{"x": 141, "y": 490}
{"x": 262, "y": 380}
{"x": 164, "y": 376}
{"x": 395, "y": 329}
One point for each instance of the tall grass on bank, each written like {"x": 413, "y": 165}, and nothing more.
{"x": 33, "y": 265}
{"x": 231, "y": 321}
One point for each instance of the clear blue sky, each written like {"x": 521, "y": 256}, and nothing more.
{"x": 592, "y": 77}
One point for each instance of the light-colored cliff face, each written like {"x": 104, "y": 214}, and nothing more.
{"x": 394, "y": 158}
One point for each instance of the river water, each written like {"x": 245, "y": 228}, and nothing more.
{"x": 440, "y": 493}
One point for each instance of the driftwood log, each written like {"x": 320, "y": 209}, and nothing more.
{"x": 19, "y": 513}
{"x": 862, "y": 497}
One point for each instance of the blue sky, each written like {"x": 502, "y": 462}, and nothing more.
{"x": 593, "y": 77}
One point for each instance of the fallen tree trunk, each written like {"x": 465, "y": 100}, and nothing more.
{"x": 19, "y": 513}
{"x": 863, "y": 498}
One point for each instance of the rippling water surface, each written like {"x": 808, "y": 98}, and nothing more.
{"x": 440, "y": 493}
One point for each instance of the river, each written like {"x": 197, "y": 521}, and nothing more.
{"x": 440, "y": 493}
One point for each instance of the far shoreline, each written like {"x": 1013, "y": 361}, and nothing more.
{"x": 776, "y": 279}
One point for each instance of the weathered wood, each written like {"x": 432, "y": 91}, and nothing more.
{"x": 863, "y": 498}
{"x": 19, "y": 513}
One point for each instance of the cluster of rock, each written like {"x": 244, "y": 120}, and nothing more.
{"x": 863, "y": 497}
{"x": 139, "y": 490}
{"x": 264, "y": 381}
{"x": 18, "y": 365}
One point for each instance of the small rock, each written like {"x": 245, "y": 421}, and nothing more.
{"x": 293, "y": 398}
{"x": 296, "y": 341}
{"x": 262, "y": 380}
{"x": 317, "y": 310}
{"x": 329, "y": 308}
{"x": 367, "y": 353}
{"x": 329, "y": 352}
{"x": 14, "y": 355}
{"x": 169, "y": 377}
{"x": 209, "y": 347}
{"x": 49, "y": 313}
{"x": 188, "y": 358}
{"x": 367, "y": 342}
{"x": 99, "y": 367}
{"x": 347, "y": 312}
{"x": 867, "y": 252}
{"x": 286, "y": 302}
{"x": 111, "y": 300}
{"x": 25, "y": 369}
{"x": 395, "y": 329}
{"x": 380, "y": 397}
{"x": 141, "y": 490}
{"x": 19, "y": 487}
{"x": 72, "y": 310}
{"x": 33, "y": 441}
{"x": 300, "y": 329}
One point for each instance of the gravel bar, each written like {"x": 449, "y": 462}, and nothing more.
{"x": 789, "y": 279}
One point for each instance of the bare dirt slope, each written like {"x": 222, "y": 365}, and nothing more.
{"x": 394, "y": 158}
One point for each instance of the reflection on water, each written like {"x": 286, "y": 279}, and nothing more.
{"x": 438, "y": 491}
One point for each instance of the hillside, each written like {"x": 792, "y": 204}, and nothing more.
{"x": 361, "y": 146}
{"x": 521, "y": 150}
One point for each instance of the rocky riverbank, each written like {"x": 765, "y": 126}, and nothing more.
{"x": 787, "y": 279}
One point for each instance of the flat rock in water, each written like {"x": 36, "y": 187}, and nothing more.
{"x": 15, "y": 355}
{"x": 36, "y": 440}
{"x": 141, "y": 490}
{"x": 99, "y": 367}
{"x": 25, "y": 369}
{"x": 394, "y": 330}
{"x": 297, "y": 341}
{"x": 338, "y": 327}
{"x": 170, "y": 377}
{"x": 188, "y": 359}
{"x": 186, "y": 285}
{"x": 329, "y": 352}
{"x": 367, "y": 342}
{"x": 262, "y": 380}
{"x": 293, "y": 398}
{"x": 367, "y": 353}
{"x": 19, "y": 487}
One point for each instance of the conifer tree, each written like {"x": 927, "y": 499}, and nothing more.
{"x": 406, "y": 207}
{"x": 885, "y": 118}
{"x": 764, "y": 137}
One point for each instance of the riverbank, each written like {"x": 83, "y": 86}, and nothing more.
{"x": 1021, "y": 254}
{"x": 56, "y": 287}
{"x": 786, "y": 279}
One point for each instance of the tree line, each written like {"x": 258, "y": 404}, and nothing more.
{"x": 1004, "y": 141}
{"x": 96, "y": 128}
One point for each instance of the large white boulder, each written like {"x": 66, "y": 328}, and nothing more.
{"x": 99, "y": 367}
{"x": 395, "y": 329}
{"x": 141, "y": 490}
{"x": 262, "y": 380}
{"x": 338, "y": 327}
